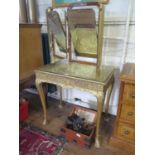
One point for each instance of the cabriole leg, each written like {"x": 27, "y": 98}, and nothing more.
{"x": 100, "y": 100}
{"x": 61, "y": 102}
{"x": 109, "y": 91}
{"x": 40, "y": 89}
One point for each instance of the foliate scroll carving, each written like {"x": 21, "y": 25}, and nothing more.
{"x": 70, "y": 82}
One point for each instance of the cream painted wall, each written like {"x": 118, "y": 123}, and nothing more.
{"x": 114, "y": 34}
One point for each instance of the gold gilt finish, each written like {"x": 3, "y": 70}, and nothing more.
{"x": 81, "y": 76}
{"x": 98, "y": 80}
{"x": 83, "y": 71}
{"x": 100, "y": 37}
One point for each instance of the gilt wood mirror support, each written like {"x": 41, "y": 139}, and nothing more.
{"x": 62, "y": 36}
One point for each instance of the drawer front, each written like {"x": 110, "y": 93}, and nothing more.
{"x": 129, "y": 94}
{"x": 128, "y": 113}
{"x": 126, "y": 132}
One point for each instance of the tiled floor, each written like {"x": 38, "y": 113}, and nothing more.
{"x": 56, "y": 119}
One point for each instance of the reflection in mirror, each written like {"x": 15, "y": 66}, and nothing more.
{"x": 56, "y": 28}
{"x": 82, "y": 25}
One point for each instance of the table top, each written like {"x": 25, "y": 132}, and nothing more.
{"x": 77, "y": 70}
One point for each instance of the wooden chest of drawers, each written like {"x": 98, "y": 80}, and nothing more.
{"x": 124, "y": 130}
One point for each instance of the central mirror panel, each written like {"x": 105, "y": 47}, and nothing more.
{"x": 82, "y": 26}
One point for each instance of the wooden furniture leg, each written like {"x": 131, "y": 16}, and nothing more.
{"x": 45, "y": 89}
{"x": 61, "y": 102}
{"x": 40, "y": 89}
{"x": 100, "y": 100}
{"x": 109, "y": 91}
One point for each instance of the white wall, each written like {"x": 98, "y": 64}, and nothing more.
{"x": 114, "y": 34}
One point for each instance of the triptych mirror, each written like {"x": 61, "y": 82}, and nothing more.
{"x": 76, "y": 35}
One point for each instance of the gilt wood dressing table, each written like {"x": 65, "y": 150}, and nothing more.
{"x": 97, "y": 80}
{"x": 81, "y": 76}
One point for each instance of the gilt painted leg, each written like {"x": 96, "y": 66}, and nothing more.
{"x": 45, "y": 89}
{"x": 61, "y": 102}
{"x": 100, "y": 99}
{"x": 109, "y": 91}
{"x": 43, "y": 99}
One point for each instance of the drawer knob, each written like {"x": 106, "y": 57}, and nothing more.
{"x": 130, "y": 113}
{"x": 126, "y": 132}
